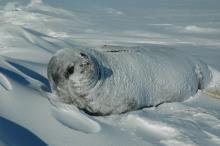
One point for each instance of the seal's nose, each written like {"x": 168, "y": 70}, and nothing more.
{"x": 85, "y": 65}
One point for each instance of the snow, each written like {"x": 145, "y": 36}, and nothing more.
{"x": 73, "y": 118}
{"x": 4, "y": 82}
{"x": 31, "y": 32}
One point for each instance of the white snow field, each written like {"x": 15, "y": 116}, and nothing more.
{"x": 32, "y": 31}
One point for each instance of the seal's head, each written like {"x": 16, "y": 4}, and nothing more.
{"x": 72, "y": 73}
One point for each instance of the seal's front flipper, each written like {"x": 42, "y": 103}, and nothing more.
{"x": 71, "y": 117}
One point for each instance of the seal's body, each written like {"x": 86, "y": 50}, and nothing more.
{"x": 114, "y": 80}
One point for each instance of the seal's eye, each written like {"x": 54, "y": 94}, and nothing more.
{"x": 83, "y": 55}
{"x": 69, "y": 71}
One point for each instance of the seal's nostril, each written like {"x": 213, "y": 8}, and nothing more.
{"x": 87, "y": 63}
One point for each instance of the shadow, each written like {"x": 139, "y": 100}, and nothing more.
{"x": 14, "y": 76}
{"x": 107, "y": 72}
{"x": 39, "y": 35}
{"x": 55, "y": 45}
{"x": 32, "y": 74}
{"x": 11, "y": 134}
{"x": 35, "y": 32}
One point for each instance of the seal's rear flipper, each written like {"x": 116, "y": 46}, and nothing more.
{"x": 213, "y": 88}
{"x": 213, "y": 91}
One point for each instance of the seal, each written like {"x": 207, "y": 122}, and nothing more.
{"x": 116, "y": 79}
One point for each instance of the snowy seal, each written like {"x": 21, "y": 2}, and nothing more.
{"x": 115, "y": 79}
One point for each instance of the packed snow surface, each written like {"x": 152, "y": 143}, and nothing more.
{"x": 31, "y": 32}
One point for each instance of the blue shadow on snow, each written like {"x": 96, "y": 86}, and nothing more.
{"x": 11, "y": 134}
{"x": 14, "y": 76}
{"x": 32, "y": 74}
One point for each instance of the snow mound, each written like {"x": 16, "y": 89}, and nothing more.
{"x": 71, "y": 117}
{"x": 5, "y": 82}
